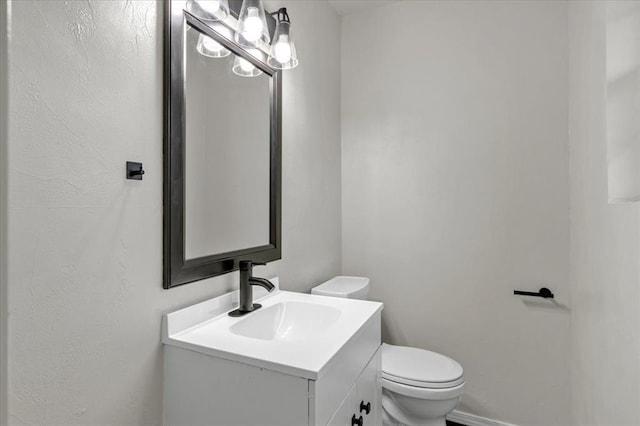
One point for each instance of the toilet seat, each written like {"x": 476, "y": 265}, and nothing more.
{"x": 423, "y": 393}
{"x": 420, "y": 368}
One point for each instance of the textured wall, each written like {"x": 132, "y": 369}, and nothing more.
{"x": 3, "y": 211}
{"x": 605, "y": 242}
{"x": 85, "y": 260}
{"x": 455, "y": 190}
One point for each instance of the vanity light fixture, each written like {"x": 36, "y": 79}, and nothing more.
{"x": 209, "y": 47}
{"x": 252, "y": 24}
{"x": 244, "y": 68}
{"x": 252, "y": 32}
{"x": 282, "y": 54}
{"x": 209, "y": 10}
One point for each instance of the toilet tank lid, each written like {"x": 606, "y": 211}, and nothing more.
{"x": 419, "y": 367}
{"x": 343, "y": 286}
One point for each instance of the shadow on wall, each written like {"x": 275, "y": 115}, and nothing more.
{"x": 545, "y": 305}
{"x": 392, "y": 333}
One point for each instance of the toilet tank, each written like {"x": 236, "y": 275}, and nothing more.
{"x": 342, "y": 286}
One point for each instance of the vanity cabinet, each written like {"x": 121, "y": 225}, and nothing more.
{"x": 228, "y": 393}
{"x": 300, "y": 360}
{"x": 200, "y": 389}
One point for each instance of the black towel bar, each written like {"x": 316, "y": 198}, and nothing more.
{"x": 544, "y": 292}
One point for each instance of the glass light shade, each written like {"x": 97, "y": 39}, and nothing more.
{"x": 252, "y": 24}
{"x": 283, "y": 55}
{"x": 209, "y": 10}
{"x": 207, "y": 46}
{"x": 244, "y": 68}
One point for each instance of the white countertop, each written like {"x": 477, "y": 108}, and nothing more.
{"x": 205, "y": 328}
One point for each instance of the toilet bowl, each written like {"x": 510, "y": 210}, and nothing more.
{"x": 419, "y": 387}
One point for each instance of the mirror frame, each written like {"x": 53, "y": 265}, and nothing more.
{"x": 177, "y": 269}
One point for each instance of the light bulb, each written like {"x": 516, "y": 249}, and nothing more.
{"x": 210, "y": 6}
{"x": 283, "y": 49}
{"x": 282, "y": 55}
{"x": 252, "y": 25}
{"x": 246, "y": 65}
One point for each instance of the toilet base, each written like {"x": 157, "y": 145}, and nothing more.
{"x": 387, "y": 420}
{"x": 400, "y": 410}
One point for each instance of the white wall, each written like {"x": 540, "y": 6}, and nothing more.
{"x": 85, "y": 245}
{"x": 455, "y": 190}
{"x": 605, "y": 244}
{"x": 3, "y": 211}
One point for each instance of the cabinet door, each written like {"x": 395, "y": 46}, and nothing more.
{"x": 369, "y": 393}
{"x": 342, "y": 417}
{"x": 364, "y": 401}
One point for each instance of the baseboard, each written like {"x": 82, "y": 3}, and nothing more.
{"x": 473, "y": 420}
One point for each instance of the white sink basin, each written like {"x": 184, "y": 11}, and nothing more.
{"x": 288, "y": 321}
{"x": 293, "y": 333}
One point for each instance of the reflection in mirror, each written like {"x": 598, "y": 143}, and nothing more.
{"x": 227, "y": 150}
{"x": 209, "y": 10}
{"x": 209, "y": 47}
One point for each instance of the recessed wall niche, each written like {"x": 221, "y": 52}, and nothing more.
{"x": 623, "y": 101}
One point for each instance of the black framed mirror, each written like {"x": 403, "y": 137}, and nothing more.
{"x": 222, "y": 150}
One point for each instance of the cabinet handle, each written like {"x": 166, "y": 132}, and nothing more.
{"x": 365, "y": 408}
{"x": 356, "y": 422}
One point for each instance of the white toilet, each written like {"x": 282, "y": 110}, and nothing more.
{"x": 419, "y": 387}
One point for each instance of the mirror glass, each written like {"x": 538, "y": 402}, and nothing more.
{"x": 227, "y": 152}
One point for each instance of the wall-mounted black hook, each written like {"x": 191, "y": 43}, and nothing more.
{"x": 134, "y": 170}
{"x": 544, "y": 292}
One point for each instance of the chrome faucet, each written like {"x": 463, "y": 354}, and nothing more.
{"x": 247, "y": 280}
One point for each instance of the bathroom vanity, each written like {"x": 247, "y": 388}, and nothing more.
{"x": 299, "y": 360}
